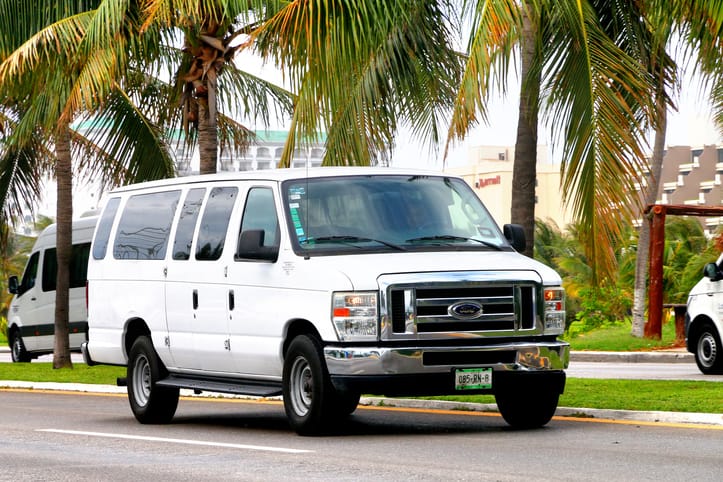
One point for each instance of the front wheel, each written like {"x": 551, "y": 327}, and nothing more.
{"x": 17, "y": 349}
{"x": 150, "y": 403}
{"x": 527, "y": 407}
{"x": 708, "y": 351}
{"x": 308, "y": 394}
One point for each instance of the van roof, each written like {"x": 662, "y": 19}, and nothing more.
{"x": 279, "y": 175}
{"x": 79, "y": 224}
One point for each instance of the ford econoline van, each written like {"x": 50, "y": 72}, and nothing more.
{"x": 704, "y": 319}
{"x": 321, "y": 285}
{"x": 31, "y": 316}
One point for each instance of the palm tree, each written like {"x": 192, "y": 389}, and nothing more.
{"x": 697, "y": 25}
{"x": 51, "y": 72}
{"x": 206, "y": 81}
{"x": 361, "y": 69}
{"x": 592, "y": 93}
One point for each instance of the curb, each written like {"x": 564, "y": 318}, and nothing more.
{"x": 683, "y": 418}
{"x": 666, "y": 356}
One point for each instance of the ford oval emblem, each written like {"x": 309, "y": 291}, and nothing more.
{"x": 465, "y": 310}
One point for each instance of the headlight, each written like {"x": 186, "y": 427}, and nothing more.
{"x": 554, "y": 311}
{"x": 355, "y": 315}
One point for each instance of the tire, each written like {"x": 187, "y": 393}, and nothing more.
{"x": 345, "y": 403}
{"x": 709, "y": 351}
{"x": 151, "y": 404}
{"x": 527, "y": 407}
{"x": 17, "y": 348}
{"x": 308, "y": 394}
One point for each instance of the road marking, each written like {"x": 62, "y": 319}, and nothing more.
{"x": 177, "y": 441}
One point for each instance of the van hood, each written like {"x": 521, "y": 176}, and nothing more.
{"x": 362, "y": 270}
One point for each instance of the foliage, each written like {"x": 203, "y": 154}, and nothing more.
{"x": 600, "y": 306}
{"x": 616, "y": 336}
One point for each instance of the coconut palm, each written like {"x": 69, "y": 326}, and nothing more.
{"x": 361, "y": 69}
{"x": 577, "y": 74}
{"x": 211, "y": 91}
{"x": 55, "y": 68}
{"x": 696, "y": 26}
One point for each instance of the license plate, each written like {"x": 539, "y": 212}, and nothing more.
{"x": 473, "y": 378}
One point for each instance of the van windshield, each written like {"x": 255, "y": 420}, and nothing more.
{"x": 329, "y": 215}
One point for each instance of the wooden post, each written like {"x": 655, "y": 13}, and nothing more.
{"x": 654, "y": 326}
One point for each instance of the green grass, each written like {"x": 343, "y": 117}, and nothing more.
{"x": 644, "y": 395}
{"x": 618, "y": 338}
{"x": 44, "y": 372}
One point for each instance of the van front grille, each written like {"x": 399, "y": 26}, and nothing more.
{"x": 483, "y": 309}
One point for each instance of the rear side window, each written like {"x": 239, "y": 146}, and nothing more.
{"x": 214, "y": 223}
{"x": 102, "y": 233}
{"x": 187, "y": 223}
{"x": 145, "y": 226}
{"x": 78, "y": 267}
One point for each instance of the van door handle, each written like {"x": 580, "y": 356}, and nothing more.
{"x": 231, "y": 300}
{"x": 195, "y": 299}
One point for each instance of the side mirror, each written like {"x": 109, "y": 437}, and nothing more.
{"x": 712, "y": 272}
{"x": 251, "y": 246}
{"x": 515, "y": 234}
{"x": 13, "y": 285}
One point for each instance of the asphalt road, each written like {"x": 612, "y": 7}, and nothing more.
{"x": 60, "y": 436}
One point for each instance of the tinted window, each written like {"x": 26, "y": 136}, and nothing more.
{"x": 187, "y": 223}
{"x": 78, "y": 267}
{"x": 214, "y": 223}
{"x": 31, "y": 272}
{"x": 145, "y": 226}
{"x": 260, "y": 213}
{"x": 100, "y": 243}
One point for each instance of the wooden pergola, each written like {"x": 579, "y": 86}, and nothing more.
{"x": 656, "y": 217}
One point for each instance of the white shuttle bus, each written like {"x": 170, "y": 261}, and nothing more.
{"x": 31, "y": 315}
{"x": 321, "y": 285}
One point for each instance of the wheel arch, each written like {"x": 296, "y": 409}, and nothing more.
{"x": 135, "y": 327}
{"x": 696, "y": 328}
{"x": 295, "y": 328}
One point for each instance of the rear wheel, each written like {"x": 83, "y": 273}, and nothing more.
{"x": 708, "y": 351}
{"x": 527, "y": 407}
{"x": 308, "y": 394}
{"x": 150, "y": 403}
{"x": 17, "y": 348}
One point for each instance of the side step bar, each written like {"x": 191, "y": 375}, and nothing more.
{"x": 236, "y": 387}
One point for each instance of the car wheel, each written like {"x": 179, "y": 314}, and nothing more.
{"x": 708, "y": 351}
{"x": 345, "y": 402}
{"x": 17, "y": 348}
{"x": 150, "y": 403}
{"x": 527, "y": 407}
{"x": 308, "y": 395}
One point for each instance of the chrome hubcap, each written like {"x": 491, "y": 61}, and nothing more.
{"x": 141, "y": 380}
{"x": 302, "y": 386}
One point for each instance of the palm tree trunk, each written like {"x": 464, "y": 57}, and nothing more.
{"x": 207, "y": 129}
{"x": 524, "y": 172}
{"x": 651, "y": 195}
{"x": 64, "y": 213}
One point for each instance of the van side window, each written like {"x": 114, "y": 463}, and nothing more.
{"x": 31, "y": 272}
{"x": 214, "y": 223}
{"x": 105, "y": 223}
{"x": 260, "y": 213}
{"x": 187, "y": 223}
{"x": 145, "y": 226}
{"x": 78, "y": 267}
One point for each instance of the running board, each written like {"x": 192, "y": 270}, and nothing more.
{"x": 236, "y": 387}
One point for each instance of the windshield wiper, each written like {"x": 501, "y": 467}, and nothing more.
{"x": 353, "y": 239}
{"x": 449, "y": 237}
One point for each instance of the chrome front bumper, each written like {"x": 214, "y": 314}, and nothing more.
{"x": 371, "y": 361}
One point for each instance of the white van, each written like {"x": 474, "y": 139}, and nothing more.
{"x": 31, "y": 316}
{"x": 704, "y": 319}
{"x": 321, "y": 285}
